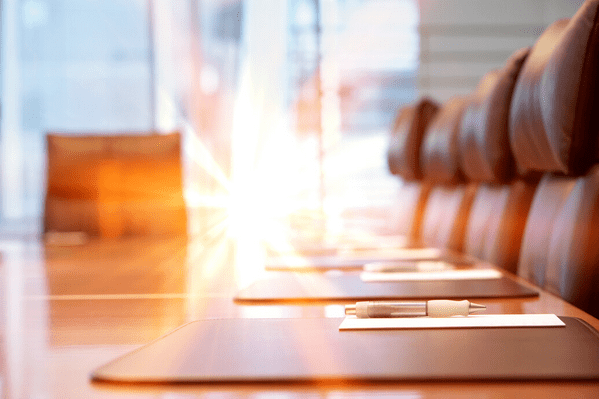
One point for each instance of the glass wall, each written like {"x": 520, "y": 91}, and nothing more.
{"x": 352, "y": 64}
{"x": 68, "y": 66}
{"x": 284, "y": 105}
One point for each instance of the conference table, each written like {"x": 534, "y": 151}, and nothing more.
{"x": 68, "y": 308}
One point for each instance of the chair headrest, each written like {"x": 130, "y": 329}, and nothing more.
{"x": 554, "y": 118}
{"x": 439, "y": 156}
{"x": 403, "y": 155}
{"x": 485, "y": 151}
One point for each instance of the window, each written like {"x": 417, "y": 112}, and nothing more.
{"x": 283, "y": 104}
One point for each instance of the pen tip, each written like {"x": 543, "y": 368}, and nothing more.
{"x": 475, "y": 307}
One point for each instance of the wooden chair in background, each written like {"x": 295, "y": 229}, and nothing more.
{"x": 115, "y": 185}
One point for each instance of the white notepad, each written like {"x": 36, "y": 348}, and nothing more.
{"x": 405, "y": 266}
{"x": 412, "y": 254}
{"x": 470, "y": 274}
{"x": 491, "y": 320}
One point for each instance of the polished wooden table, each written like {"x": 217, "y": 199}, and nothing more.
{"x": 67, "y": 309}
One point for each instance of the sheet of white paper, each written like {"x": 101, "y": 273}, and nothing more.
{"x": 367, "y": 243}
{"x": 490, "y": 320}
{"x": 469, "y": 274}
{"x": 407, "y": 266}
{"x": 359, "y": 258}
{"x": 402, "y": 254}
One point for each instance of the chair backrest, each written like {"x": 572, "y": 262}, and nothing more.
{"x": 483, "y": 139}
{"x": 560, "y": 247}
{"x": 554, "y": 120}
{"x": 501, "y": 204}
{"x": 573, "y": 259}
{"x": 409, "y": 211}
{"x": 439, "y": 156}
{"x": 445, "y": 216}
{"x": 549, "y": 198}
{"x": 403, "y": 155}
{"x": 115, "y": 185}
{"x": 403, "y": 158}
{"x": 496, "y": 222}
{"x": 448, "y": 204}
{"x": 554, "y": 115}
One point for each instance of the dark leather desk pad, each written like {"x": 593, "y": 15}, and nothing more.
{"x": 314, "y": 350}
{"x": 303, "y": 288}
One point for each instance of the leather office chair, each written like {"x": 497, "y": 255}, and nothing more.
{"x": 403, "y": 155}
{"x": 554, "y": 121}
{"x": 554, "y": 115}
{"x": 485, "y": 152}
{"x": 114, "y": 186}
{"x": 498, "y": 215}
{"x": 439, "y": 156}
{"x": 445, "y": 216}
{"x": 496, "y": 222}
{"x": 560, "y": 247}
{"x": 450, "y": 199}
{"x": 550, "y": 196}
{"x": 573, "y": 259}
{"x": 409, "y": 212}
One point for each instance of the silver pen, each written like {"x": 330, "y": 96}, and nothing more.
{"x": 434, "y": 308}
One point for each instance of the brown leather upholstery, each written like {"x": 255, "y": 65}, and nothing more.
{"x": 439, "y": 157}
{"x": 573, "y": 258}
{"x": 403, "y": 155}
{"x": 549, "y": 198}
{"x": 496, "y": 222}
{"x": 411, "y": 202}
{"x": 560, "y": 248}
{"x": 115, "y": 185}
{"x": 554, "y": 111}
{"x": 446, "y": 215}
{"x": 484, "y": 142}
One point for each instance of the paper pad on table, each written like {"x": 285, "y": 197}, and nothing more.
{"x": 470, "y": 274}
{"x": 495, "y": 320}
{"x": 407, "y": 266}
